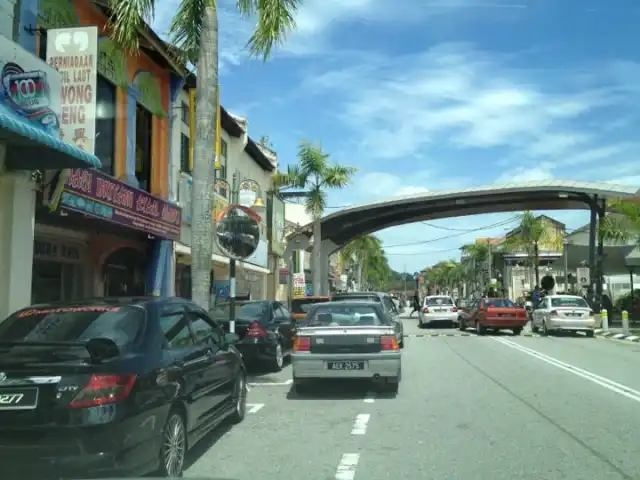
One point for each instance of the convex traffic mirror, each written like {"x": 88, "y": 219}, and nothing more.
{"x": 238, "y": 232}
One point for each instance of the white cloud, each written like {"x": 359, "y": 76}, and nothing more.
{"x": 524, "y": 174}
{"x": 458, "y": 97}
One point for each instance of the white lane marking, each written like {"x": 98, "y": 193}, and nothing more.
{"x": 275, "y": 384}
{"x": 616, "y": 387}
{"x": 347, "y": 466}
{"x": 370, "y": 397}
{"x": 619, "y": 335}
{"x": 360, "y": 425}
{"x": 254, "y": 407}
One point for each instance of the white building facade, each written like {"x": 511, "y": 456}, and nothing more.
{"x": 241, "y": 159}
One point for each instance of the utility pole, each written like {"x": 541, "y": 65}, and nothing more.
{"x": 566, "y": 266}
{"x": 404, "y": 276}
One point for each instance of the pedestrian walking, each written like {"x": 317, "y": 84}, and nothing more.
{"x": 416, "y": 303}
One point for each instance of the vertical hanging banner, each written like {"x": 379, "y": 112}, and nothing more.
{"x": 74, "y": 53}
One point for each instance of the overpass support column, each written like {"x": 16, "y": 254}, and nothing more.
{"x": 327, "y": 249}
{"x": 316, "y": 258}
{"x": 601, "y": 206}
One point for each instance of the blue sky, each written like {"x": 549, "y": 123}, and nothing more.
{"x": 427, "y": 95}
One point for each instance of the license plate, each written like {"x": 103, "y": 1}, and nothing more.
{"x": 438, "y": 310}
{"x": 345, "y": 365}
{"x": 18, "y": 398}
{"x": 505, "y": 314}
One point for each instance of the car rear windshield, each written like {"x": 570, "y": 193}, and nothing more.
{"x": 344, "y": 316}
{"x": 244, "y": 311}
{"x": 302, "y": 305}
{"x": 500, "y": 303}
{"x": 123, "y": 325}
{"x": 569, "y": 302}
{"x": 356, "y": 298}
{"x": 438, "y": 301}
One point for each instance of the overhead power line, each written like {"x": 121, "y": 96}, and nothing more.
{"x": 486, "y": 227}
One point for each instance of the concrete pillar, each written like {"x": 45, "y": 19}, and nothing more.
{"x": 316, "y": 259}
{"x": 17, "y": 221}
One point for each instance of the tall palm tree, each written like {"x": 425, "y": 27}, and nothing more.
{"x": 476, "y": 255}
{"x": 373, "y": 267}
{"x": 621, "y": 225}
{"x": 194, "y": 33}
{"x": 315, "y": 174}
{"x": 532, "y": 233}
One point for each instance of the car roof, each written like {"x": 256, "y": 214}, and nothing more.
{"x": 359, "y": 303}
{"x": 438, "y": 296}
{"x": 359, "y": 294}
{"x": 556, "y": 295}
{"x": 108, "y": 301}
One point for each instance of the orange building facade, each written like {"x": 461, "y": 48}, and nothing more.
{"x": 90, "y": 246}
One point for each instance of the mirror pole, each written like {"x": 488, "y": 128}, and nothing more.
{"x": 232, "y": 268}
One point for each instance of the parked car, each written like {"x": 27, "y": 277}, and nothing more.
{"x": 113, "y": 387}
{"x": 383, "y": 299}
{"x": 493, "y": 314}
{"x": 564, "y": 313}
{"x": 437, "y": 308}
{"x": 265, "y": 330}
{"x": 347, "y": 340}
{"x": 300, "y": 306}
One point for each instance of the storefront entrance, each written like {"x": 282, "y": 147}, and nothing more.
{"x": 123, "y": 273}
{"x": 57, "y": 271}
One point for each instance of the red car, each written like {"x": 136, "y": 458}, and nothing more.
{"x": 493, "y": 314}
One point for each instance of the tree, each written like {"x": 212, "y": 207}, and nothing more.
{"x": 370, "y": 260}
{"x": 532, "y": 233}
{"x": 445, "y": 276}
{"x": 194, "y": 33}
{"x": 315, "y": 174}
{"x": 621, "y": 225}
{"x": 475, "y": 256}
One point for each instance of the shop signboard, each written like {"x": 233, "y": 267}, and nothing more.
{"x": 299, "y": 286}
{"x": 29, "y": 89}
{"x": 276, "y": 220}
{"x": 73, "y": 52}
{"x": 98, "y": 195}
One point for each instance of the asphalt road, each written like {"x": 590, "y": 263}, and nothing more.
{"x": 493, "y": 407}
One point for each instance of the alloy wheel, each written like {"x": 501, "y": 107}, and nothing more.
{"x": 174, "y": 446}
{"x": 279, "y": 356}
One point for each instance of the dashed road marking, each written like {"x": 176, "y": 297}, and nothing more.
{"x": 272, "y": 384}
{"x": 433, "y": 335}
{"x": 254, "y": 407}
{"x": 360, "y": 425}
{"x": 370, "y": 397}
{"x": 347, "y": 466}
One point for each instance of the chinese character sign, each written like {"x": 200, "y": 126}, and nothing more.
{"x": 74, "y": 53}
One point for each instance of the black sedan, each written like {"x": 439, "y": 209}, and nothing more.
{"x": 113, "y": 387}
{"x": 265, "y": 329}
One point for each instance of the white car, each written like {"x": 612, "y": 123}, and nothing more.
{"x": 438, "y": 308}
{"x": 564, "y": 313}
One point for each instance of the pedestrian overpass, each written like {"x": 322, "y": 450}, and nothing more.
{"x": 337, "y": 229}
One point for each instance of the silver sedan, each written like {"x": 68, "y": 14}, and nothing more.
{"x": 346, "y": 340}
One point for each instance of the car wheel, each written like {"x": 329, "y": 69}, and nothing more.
{"x": 545, "y": 330}
{"x": 392, "y": 385}
{"x": 174, "y": 446}
{"x": 589, "y": 333}
{"x": 517, "y": 331}
{"x": 480, "y": 330}
{"x": 461, "y": 326}
{"x": 534, "y": 328}
{"x": 278, "y": 358}
{"x": 239, "y": 399}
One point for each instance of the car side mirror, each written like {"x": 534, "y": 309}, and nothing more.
{"x": 231, "y": 338}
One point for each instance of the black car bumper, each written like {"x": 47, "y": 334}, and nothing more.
{"x": 255, "y": 351}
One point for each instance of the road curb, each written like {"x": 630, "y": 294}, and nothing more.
{"x": 617, "y": 336}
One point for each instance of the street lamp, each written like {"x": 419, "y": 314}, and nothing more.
{"x": 233, "y": 190}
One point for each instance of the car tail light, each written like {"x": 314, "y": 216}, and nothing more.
{"x": 256, "y": 331}
{"x": 425, "y": 310}
{"x": 554, "y": 313}
{"x": 302, "y": 344}
{"x": 454, "y": 309}
{"x": 389, "y": 342}
{"x": 104, "y": 389}
{"x": 522, "y": 313}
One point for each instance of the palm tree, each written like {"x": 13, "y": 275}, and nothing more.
{"x": 194, "y": 33}
{"x": 369, "y": 256}
{"x": 621, "y": 225}
{"x": 476, "y": 256}
{"x": 315, "y": 174}
{"x": 532, "y": 233}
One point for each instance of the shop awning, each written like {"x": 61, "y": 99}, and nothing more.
{"x": 29, "y": 148}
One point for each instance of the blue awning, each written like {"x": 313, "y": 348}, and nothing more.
{"x": 29, "y": 148}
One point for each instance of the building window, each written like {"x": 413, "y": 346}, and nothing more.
{"x": 143, "y": 147}
{"x": 105, "y": 124}
{"x": 222, "y": 173}
{"x": 184, "y": 154}
{"x": 185, "y": 113}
